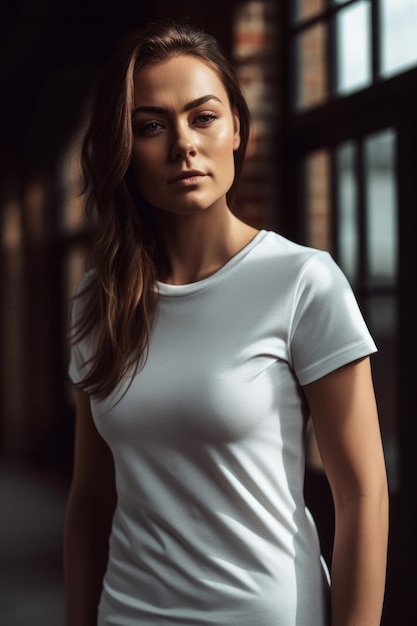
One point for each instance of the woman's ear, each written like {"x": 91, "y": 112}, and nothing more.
{"x": 236, "y": 134}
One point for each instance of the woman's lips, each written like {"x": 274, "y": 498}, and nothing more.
{"x": 190, "y": 177}
{"x": 189, "y": 181}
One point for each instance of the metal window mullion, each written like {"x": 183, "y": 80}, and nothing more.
{"x": 334, "y": 204}
{"x": 303, "y": 216}
{"x": 331, "y": 50}
{"x": 375, "y": 40}
{"x": 360, "y": 175}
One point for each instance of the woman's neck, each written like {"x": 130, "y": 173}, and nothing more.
{"x": 193, "y": 247}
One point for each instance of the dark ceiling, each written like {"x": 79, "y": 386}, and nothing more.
{"x": 50, "y": 53}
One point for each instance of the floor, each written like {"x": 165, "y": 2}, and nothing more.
{"x": 31, "y": 525}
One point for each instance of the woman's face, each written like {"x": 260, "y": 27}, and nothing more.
{"x": 185, "y": 134}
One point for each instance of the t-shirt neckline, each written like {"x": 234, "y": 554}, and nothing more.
{"x": 166, "y": 289}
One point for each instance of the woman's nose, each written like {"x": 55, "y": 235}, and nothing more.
{"x": 183, "y": 144}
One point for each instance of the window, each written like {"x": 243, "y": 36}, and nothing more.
{"x": 342, "y": 46}
{"x": 350, "y": 206}
{"x": 349, "y": 148}
{"x": 398, "y": 24}
{"x": 353, "y": 47}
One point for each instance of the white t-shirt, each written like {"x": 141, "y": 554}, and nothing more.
{"x": 209, "y": 444}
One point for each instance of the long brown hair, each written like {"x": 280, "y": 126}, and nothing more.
{"x": 119, "y": 300}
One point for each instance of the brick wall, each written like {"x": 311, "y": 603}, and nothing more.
{"x": 254, "y": 50}
{"x": 318, "y": 209}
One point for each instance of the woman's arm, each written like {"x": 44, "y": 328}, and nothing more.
{"x": 90, "y": 509}
{"x": 346, "y": 425}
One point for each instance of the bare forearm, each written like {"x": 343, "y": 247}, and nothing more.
{"x": 85, "y": 560}
{"x": 359, "y": 562}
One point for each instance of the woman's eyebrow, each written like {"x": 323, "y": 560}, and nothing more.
{"x": 199, "y": 101}
{"x": 188, "y": 107}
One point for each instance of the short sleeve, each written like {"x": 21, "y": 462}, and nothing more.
{"x": 328, "y": 329}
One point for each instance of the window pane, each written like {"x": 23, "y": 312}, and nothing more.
{"x": 353, "y": 27}
{"x": 382, "y": 237}
{"x": 398, "y": 35}
{"x": 310, "y": 60}
{"x": 318, "y": 230}
{"x": 347, "y": 210}
{"x": 303, "y": 9}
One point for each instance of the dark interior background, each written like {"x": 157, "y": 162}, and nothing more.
{"x": 50, "y": 53}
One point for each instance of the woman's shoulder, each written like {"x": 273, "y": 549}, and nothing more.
{"x": 85, "y": 283}
{"x": 283, "y": 255}
{"x": 282, "y": 247}
{"x": 286, "y": 267}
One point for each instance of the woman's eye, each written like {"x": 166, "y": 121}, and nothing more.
{"x": 206, "y": 118}
{"x": 152, "y": 126}
{"x": 148, "y": 128}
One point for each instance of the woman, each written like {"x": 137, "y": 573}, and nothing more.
{"x": 200, "y": 348}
